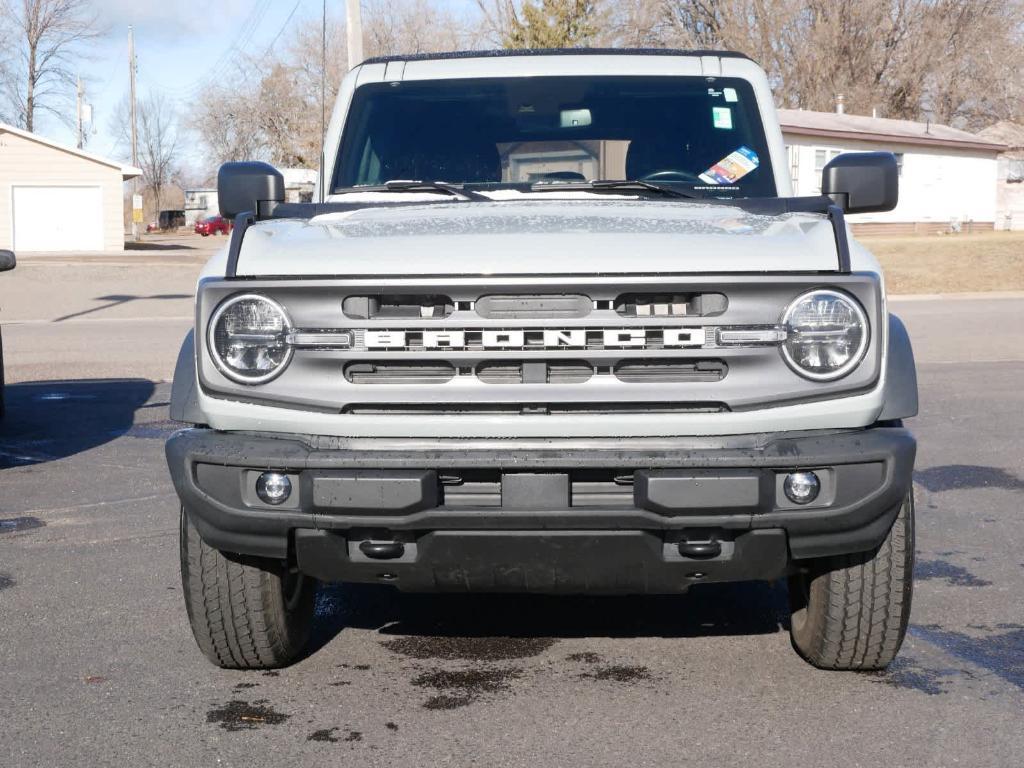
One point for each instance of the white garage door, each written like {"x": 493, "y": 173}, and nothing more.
{"x": 58, "y": 219}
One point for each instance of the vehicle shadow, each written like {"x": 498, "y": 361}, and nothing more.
{"x": 50, "y": 420}
{"x": 710, "y": 610}
{"x": 132, "y": 245}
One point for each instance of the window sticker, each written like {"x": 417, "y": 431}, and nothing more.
{"x": 721, "y": 117}
{"x": 732, "y": 167}
{"x": 730, "y": 94}
{"x": 713, "y": 92}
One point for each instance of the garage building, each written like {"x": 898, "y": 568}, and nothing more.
{"x": 947, "y": 176}
{"x": 58, "y": 198}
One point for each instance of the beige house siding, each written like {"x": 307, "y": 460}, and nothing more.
{"x": 27, "y": 162}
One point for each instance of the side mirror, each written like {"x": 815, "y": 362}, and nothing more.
{"x": 7, "y": 260}
{"x": 862, "y": 182}
{"x": 250, "y": 186}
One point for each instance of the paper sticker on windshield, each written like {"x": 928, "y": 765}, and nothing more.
{"x": 730, "y": 94}
{"x": 732, "y": 167}
{"x": 721, "y": 117}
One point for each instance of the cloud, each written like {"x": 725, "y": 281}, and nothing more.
{"x": 158, "y": 19}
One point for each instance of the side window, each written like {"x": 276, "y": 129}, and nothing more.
{"x": 1015, "y": 171}
{"x": 899, "y": 163}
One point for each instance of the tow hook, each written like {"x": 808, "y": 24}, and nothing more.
{"x": 382, "y": 550}
{"x": 700, "y": 550}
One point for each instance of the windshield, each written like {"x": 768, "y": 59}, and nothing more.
{"x": 698, "y": 133}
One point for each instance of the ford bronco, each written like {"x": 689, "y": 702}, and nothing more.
{"x": 555, "y": 323}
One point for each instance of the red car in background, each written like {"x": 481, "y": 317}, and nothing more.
{"x": 213, "y": 225}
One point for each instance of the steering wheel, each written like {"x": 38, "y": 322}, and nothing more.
{"x": 672, "y": 174}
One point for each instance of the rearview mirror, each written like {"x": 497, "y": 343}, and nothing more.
{"x": 249, "y": 186}
{"x": 862, "y": 182}
{"x": 7, "y": 260}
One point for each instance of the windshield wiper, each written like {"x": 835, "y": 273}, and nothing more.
{"x": 614, "y": 184}
{"x": 402, "y": 185}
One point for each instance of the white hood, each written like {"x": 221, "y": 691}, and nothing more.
{"x": 537, "y": 237}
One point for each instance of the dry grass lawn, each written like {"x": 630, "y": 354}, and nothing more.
{"x": 989, "y": 261}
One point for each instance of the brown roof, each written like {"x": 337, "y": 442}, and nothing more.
{"x": 883, "y": 129}
{"x": 1005, "y": 132}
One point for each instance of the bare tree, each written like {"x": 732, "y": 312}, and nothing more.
{"x": 46, "y": 37}
{"x": 158, "y": 147}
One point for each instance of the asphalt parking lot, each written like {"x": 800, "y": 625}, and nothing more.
{"x": 98, "y": 667}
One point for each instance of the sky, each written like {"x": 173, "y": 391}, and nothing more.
{"x": 180, "y": 46}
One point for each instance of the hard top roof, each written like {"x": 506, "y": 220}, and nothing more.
{"x": 554, "y": 52}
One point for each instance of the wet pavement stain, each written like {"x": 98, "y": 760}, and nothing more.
{"x": 17, "y": 524}
{"x": 469, "y": 648}
{"x": 238, "y": 715}
{"x": 354, "y": 736}
{"x": 620, "y": 673}
{"x": 6, "y": 580}
{"x": 957, "y": 476}
{"x": 243, "y": 686}
{"x": 587, "y": 657}
{"x": 391, "y": 726}
{"x": 340, "y": 683}
{"x": 1000, "y": 653}
{"x": 954, "y": 575}
{"x": 903, "y": 673}
{"x": 462, "y": 687}
{"x": 271, "y": 673}
{"x": 324, "y": 734}
{"x": 445, "y": 701}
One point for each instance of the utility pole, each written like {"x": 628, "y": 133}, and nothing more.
{"x": 80, "y": 134}
{"x": 135, "y": 147}
{"x": 354, "y": 30}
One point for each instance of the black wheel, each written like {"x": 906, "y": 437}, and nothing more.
{"x": 245, "y": 612}
{"x": 852, "y": 612}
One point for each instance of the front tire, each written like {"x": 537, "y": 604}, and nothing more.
{"x": 245, "y": 612}
{"x": 851, "y": 612}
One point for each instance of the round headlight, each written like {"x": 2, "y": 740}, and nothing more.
{"x": 826, "y": 335}
{"x": 248, "y": 338}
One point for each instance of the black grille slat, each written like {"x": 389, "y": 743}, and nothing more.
{"x": 399, "y": 373}
{"x": 670, "y": 371}
{"x": 558, "y": 372}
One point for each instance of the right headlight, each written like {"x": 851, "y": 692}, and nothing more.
{"x": 827, "y": 335}
{"x": 248, "y": 338}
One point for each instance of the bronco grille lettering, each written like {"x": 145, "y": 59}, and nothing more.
{"x": 528, "y": 338}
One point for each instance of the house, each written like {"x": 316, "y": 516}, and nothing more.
{"x": 947, "y": 176}
{"x": 298, "y": 188}
{"x": 1010, "y": 187}
{"x": 57, "y": 198}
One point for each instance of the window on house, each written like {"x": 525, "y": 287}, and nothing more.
{"x": 899, "y": 163}
{"x": 793, "y": 153}
{"x": 821, "y": 157}
{"x": 1015, "y": 171}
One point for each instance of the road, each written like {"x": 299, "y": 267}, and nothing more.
{"x": 97, "y": 665}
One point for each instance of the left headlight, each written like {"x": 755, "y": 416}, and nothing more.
{"x": 827, "y": 335}
{"x": 248, "y": 338}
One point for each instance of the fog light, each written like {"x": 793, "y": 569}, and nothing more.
{"x": 801, "y": 487}
{"x": 275, "y": 488}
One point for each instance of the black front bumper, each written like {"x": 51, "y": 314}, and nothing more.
{"x": 638, "y": 515}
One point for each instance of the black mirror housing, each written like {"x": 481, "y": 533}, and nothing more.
{"x": 7, "y": 260}
{"x": 862, "y": 182}
{"x": 249, "y": 186}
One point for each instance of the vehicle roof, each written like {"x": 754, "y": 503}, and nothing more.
{"x": 555, "y": 52}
